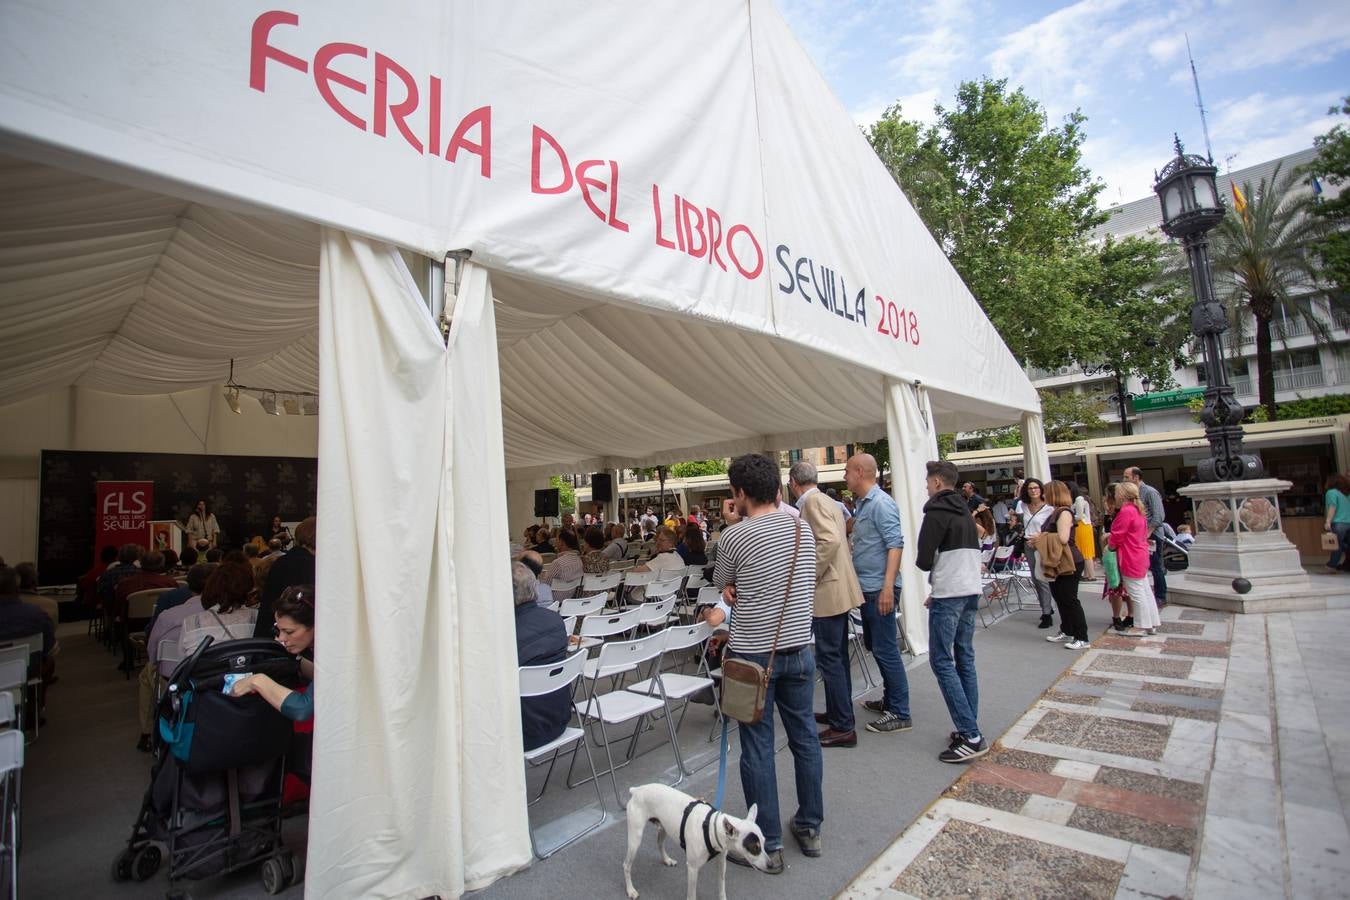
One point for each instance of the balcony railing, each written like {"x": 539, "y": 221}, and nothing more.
{"x": 1300, "y": 378}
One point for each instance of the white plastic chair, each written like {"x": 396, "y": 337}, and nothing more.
{"x": 13, "y": 682}
{"x": 168, "y": 652}
{"x": 7, "y": 716}
{"x": 678, "y": 686}
{"x": 563, "y": 590}
{"x": 582, "y": 606}
{"x": 536, "y": 681}
{"x": 859, "y": 652}
{"x": 656, "y": 613}
{"x": 596, "y": 627}
{"x": 11, "y": 770}
{"x": 619, "y": 707}
{"x": 606, "y": 583}
{"x": 667, "y": 587}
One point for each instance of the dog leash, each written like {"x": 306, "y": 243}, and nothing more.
{"x": 722, "y": 753}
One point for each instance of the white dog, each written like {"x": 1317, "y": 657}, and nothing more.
{"x": 704, "y": 833}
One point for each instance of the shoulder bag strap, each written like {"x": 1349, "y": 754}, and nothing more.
{"x": 787, "y": 595}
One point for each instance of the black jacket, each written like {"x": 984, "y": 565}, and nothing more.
{"x": 949, "y": 548}
{"x": 296, "y": 567}
{"x": 541, "y": 638}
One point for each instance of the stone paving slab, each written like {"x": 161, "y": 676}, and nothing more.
{"x": 1199, "y": 763}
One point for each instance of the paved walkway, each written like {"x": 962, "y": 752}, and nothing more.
{"x": 1212, "y": 760}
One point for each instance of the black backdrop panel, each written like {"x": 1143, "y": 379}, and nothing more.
{"x": 244, "y": 492}
{"x": 546, "y": 503}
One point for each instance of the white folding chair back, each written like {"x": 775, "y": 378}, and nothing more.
{"x": 536, "y": 681}
{"x": 563, "y": 590}
{"x": 570, "y": 624}
{"x": 607, "y": 624}
{"x": 591, "y": 584}
{"x": 7, "y": 716}
{"x": 669, "y": 587}
{"x": 695, "y": 579}
{"x": 656, "y": 612}
{"x": 682, "y": 637}
{"x": 11, "y": 751}
{"x": 169, "y": 651}
{"x": 626, "y": 654}
{"x": 13, "y": 674}
{"x": 637, "y": 579}
{"x": 623, "y": 565}
{"x": 582, "y": 606}
{"x": 634, "y": 550}
{"x": 986, "y": 556}
{"x": 141, "y": 605}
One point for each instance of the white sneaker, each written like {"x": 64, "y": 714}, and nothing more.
{"x": 1077, "y": 645}
{"x": 1056, "y": 638}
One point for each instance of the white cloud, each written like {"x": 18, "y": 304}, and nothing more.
{"x": 1260, "y": 127}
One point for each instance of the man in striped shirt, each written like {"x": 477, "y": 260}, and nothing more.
{"x": 753, "y": 560}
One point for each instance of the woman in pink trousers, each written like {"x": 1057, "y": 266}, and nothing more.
{"x": 1129, "y": 538}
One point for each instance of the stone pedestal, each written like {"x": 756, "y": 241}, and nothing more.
{"x": 1238, "y": 535}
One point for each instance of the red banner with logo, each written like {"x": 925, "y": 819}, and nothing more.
{"x": 123, "y": 512}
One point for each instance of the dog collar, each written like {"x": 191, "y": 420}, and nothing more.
{"x": 707, "y": 830}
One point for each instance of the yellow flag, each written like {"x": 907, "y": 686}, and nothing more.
{"x": 1239, "y": 201}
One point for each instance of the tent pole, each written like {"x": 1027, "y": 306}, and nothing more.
{"x": 436, "y": 289}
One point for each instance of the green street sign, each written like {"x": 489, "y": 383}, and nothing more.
{"x": 1167, "y": 399}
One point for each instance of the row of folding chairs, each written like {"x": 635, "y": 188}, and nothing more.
{"x": 13, "y": 678}
{"x": 597, "y": 710}
{"x": 626, "y": 585}
{"x": 1006, "y": 581}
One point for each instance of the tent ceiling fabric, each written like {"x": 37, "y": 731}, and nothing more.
{"x": 132, "y": 292}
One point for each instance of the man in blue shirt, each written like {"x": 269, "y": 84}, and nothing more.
{"x": 877, "y": 545}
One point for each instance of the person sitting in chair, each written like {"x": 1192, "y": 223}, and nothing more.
{"x": 540, "y": 639}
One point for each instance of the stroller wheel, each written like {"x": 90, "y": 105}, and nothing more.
{"x": 146, "y": 863}
{"x": 274, "y": 876}
{"x": 121, "y": 867}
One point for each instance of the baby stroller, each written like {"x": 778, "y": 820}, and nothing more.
{"x": 214, "y": 799}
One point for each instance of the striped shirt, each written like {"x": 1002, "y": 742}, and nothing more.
{"x": 754, "y": 555}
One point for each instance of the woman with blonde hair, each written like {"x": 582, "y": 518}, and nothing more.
{"x": 1064, "y": 589}
{"x": 1129, "y": 538}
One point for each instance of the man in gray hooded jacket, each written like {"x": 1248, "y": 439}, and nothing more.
{"x": 949, "y": 551}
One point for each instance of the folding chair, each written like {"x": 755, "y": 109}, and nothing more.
{"x": 694, "y": 583}
{"x": 569, "y": 624}
{"x": 167, "y": 652}
{"x": 13, "y": 681}
{"x": 536, "y": 681}
{"x": 619, "y": 707}
{"x": 563, "y": 590}
{"x": 7, "y": 716}
{"x": 634, "y": 551}
{"x": 600, "y": 625}
{"x": 607, "y": 583}
{"x": 581, "y": 606}
{"x": 11, "y": 768}
{"x": 622, "y": 565}
{"x": 140, "y": 609}
{"x": 667, "y": 587}
{"x": 858, "y": 651}
{"x": 635, "y": 586}
{"x": 678, "y": 686}
{"x": 656, "y": 613}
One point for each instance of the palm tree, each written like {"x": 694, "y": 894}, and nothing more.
{"x": 1262, "y": 261}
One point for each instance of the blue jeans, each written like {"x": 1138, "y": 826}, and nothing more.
{"x": 1342, "y": 532}
{"x": 832, "y": 659}
{"x": 951, "y": 632}
{"x": 792, "y": 689}
{"x": 879, "y": 632}
{"x": 1155, "y": 565}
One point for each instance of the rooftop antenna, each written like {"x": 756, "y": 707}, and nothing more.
{"x": 1200, "y": 103}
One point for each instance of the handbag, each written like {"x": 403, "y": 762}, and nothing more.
{"x": 745, "y": 683}
{"x": 1330, "y": 541}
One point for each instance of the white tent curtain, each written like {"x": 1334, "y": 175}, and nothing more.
{"x": 413, "y": 793}
{"x": 1036, "y": 458}
{"x": 913, "y": 441}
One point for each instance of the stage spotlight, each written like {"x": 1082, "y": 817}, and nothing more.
{"x": 269, "y": 403}
{"x": 232, "y": 398}
{"x": 311, "y": 406}
{"x": 291, "y": 404}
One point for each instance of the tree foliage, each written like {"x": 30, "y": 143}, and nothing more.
{"x": 1332, "y": 169}
{"x": 698, "y": 467}
{"x": 567, "y": 495}
{"x": 1007, "y": 197}
{"x": 1261, "y": 263}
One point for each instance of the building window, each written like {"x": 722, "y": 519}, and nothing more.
{"x": 794, "y": 456}
{"x": 829, "y": 456}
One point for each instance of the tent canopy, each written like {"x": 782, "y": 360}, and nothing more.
{"x": 178, "y": 231}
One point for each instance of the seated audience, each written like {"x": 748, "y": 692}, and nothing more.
{"x": 294, "y": 627}
{"x": 151, "y": 576}
{"x": 28, "y": 592}
{"x": 567, "y": 565}
{"x": 168, "y": 626}
{"x": 532, "y": 561}
{"x": 18, "y": 619}
{"x": 594, "y": 561}
{"x": 296, "y": 567}
{"x": 188, "y": 559}
{"x": 635, "y": 533}
{"x": 617, "y": 547}
{"x": 279, "y": 533}
{"x": 540, "y": 639}
{"x": 693, "y": 549}
{"x": 225, "y": 615}
{"x": 214, "y": 554}
{"x": 84, "y": 588}
{"x": 665, "y": 561}
{"x": 543, "y": 540}
{"x": 104, "y": 592}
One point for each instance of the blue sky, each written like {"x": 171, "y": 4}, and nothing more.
{"x": 1268, "y": 71}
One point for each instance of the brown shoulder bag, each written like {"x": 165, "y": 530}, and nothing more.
{"x": 745, "y": 683}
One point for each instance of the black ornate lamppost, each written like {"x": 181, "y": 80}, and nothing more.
{"x": 1190, "y": 208}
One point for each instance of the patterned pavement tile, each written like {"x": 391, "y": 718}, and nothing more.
{"x": 1151, "y": 784}
{"x": 1185, "y": 690}
{"x": 1141, "y": 665}
{"x": 1104, "y": 734}
{"x": 966, "y": 860}
{"x": 994, "y": 795}
{"x": 1021, "y": 759}
{"x": 1188, "y": 647}
{"x": 1203, "y": 615}
{"x": 1150, "y": 807}
{"x": 1134, "y": 829}
{"x": 1068, "y": 697}
{"x": 1191, "y": 628}
{"x": 1168, "y": 709}
{"x": 1024, "y": 780}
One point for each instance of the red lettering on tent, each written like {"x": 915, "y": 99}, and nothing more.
{"x": 398, "y": 111}
{"x": 541, "y": 137}
{"x": 694, "y": 229}
{"x": 588, "y": 184}
{"x": 260, "y": 51}
{"x": 324, "y": 74}
{"x": 434, "y": 117}
{"x": 750, "y": 273}
{"x": 482, "y": 148}
{"x": 715, "y": 238}
{"x": 656, "y": 211}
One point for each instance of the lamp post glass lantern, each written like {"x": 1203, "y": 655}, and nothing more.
{"x": 1190, "y": 202}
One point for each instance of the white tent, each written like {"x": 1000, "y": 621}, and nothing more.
{"x": 678, "y": 246}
